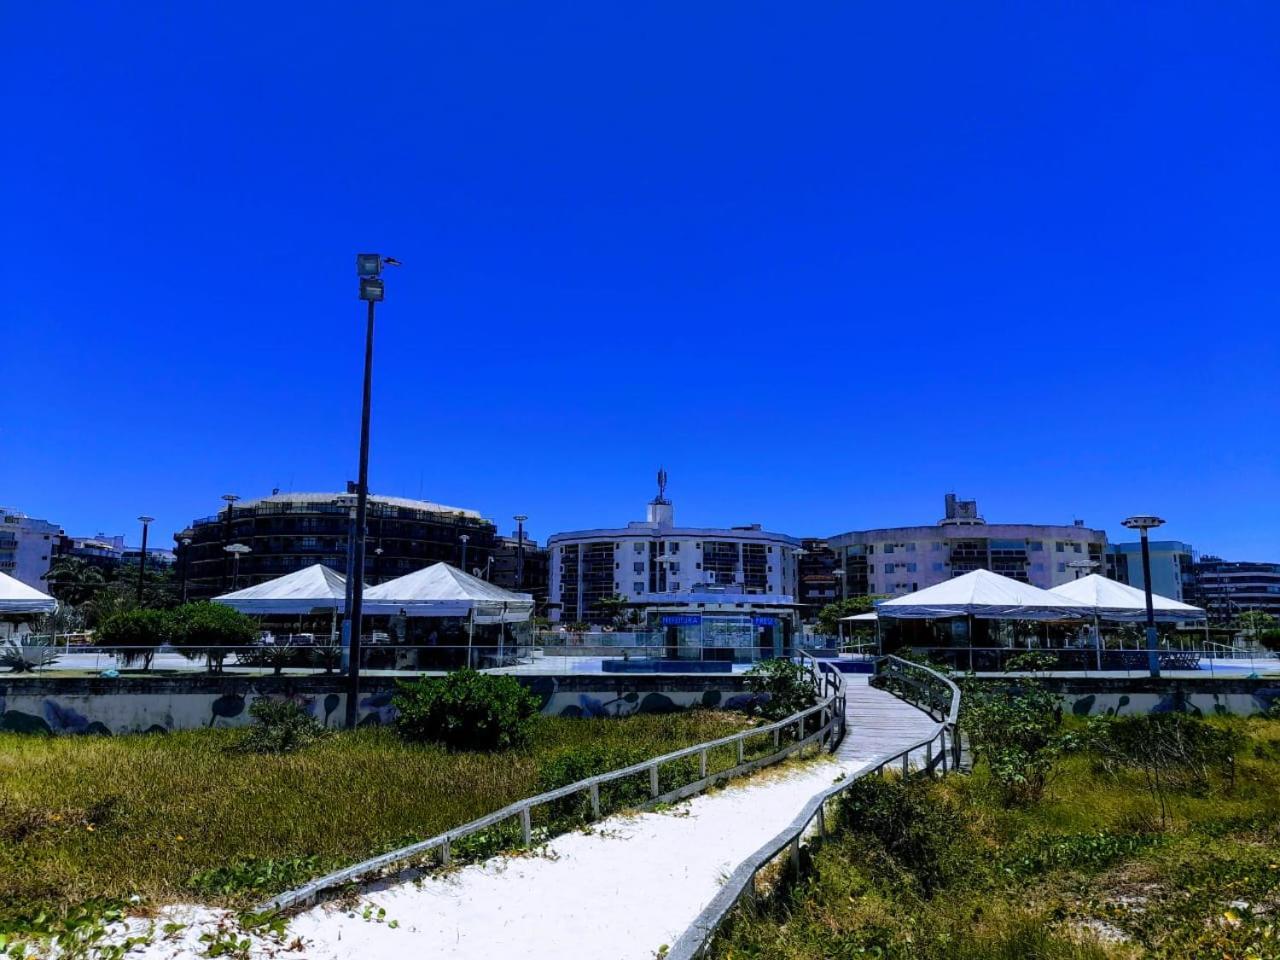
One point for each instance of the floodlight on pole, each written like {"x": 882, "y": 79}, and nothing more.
{"x": 237, "y": 550}
{"x": 368, "y": 268}
{"x": 1142, "y": 523}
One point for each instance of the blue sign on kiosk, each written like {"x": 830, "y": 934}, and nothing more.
{"x": 681, "y": 619}
{"x": 764, "y": 621}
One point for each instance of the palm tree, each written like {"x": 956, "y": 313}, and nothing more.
{"x": 75, "y": 581}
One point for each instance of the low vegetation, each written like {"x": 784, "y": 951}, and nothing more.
{"x": 232, "y": 815}
{"x": 1149, "y": 837}
{"x": 466, "y": 710}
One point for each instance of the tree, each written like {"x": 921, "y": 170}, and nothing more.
{"x": 831, "y": 615}
{"x": 136, "y": 634}
{"x": 211, "y": 630}
{"x": 615, "y": 608}
{"x": 74, "y": 581}
{"x": 1254, "y": 623}
{"x": 159, "y": 588}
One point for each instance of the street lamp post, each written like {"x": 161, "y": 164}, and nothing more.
{"x": 1142, "y": 524}
{"x": 368, "y": 269}
{"x": 186, "y": 558}
{"x": 236, "y": 550}
{"x": 463, "y": 540}
{"x": 520, "y": 518}
{"x": 142, "y": 560}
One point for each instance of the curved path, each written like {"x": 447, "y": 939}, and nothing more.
{"x": 618, "y": 892}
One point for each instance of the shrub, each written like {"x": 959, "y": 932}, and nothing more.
{"x": 1270, "y": 639}
{"x": 782, "y": 688}
{"x": 211, "y": 630}
{"x": 27, "y": 653}
{"x": 136, "y": 633}
{"x": 911, "y": 822}
{"x": 280, "y": 726}
{"x": 466, "y": 711}
{"x": 1016, "y": 729}
{"x": 1170, "y": 750}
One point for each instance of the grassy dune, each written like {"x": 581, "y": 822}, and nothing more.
{"x": 185, "y": 816}
{"x": 1085, "y": 874}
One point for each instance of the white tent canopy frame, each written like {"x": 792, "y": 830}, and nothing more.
{"x": 1111, "y": 600}
{"x": 441, "y": 590}
{"x": 985, "y": 596}
{"x": 18, "y": 598}
{"x": 310, "y": 591}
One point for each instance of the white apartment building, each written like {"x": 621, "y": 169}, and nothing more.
{"x": 898, "y": 560}
{"x": 26, "y": 547}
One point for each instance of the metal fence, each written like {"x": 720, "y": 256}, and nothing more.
{"x": 778, "y": 741}
{"x": 908, "y": 680}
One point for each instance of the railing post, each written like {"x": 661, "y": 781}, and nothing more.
{"x": 653, "y": 780}
{"x": 595, "y": 801}
{"x": 928, "y": 757}
{"x": 795, "y": 853}
{"x": 526, "y": 827}
{"x": 906, "y": 764}
{"x": 444, "y": 853}
{"x": 822, "y": 820}
{"x": 943, "y": 735}
{"x": 702, "y": 765}
{"x": 741, "y": 754}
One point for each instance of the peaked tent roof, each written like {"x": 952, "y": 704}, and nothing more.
{"x": 309, "y": 590}
{"x": 17, "y": 597}
{"x": 1112, "y": 600}
{"x": 441, "y": 590}
{"x": 985, "y": 595}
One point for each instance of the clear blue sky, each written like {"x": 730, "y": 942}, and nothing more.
{"x": 825, "y": 262}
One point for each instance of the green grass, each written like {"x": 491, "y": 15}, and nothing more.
{"x": 185, "y": 816}
{"x": 1084, "y": 874}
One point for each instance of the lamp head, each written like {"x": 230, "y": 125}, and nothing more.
{"x": 1142, "y": 522}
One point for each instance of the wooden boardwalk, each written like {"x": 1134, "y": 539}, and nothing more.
{"x": 879, "y": 723}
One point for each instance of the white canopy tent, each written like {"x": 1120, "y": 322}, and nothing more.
{"x": 986, "y": 596}
{"x": 441, "y": 590}
{"x": 865, "y": 617}
{"x": 18, "y": 598}
{"x": 1111, "y": 600}
{"x": 313, "y": 589}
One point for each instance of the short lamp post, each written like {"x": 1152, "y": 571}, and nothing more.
{"x": 1142, "y": 524}
{"x": 236, "y": 550}
{"x": 142, "y": 560}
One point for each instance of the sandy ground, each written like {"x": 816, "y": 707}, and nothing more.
{"x": 616, "y": 892}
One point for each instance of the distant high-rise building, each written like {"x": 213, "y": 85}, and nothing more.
{"x": 1228, "y": 588}
{"x": 1171, "y": 566}
{"x": 27, "y": 547}
{"x": 817, "y": 584}
{"x": 288, "y": 531}
{"x": 892, "y": 561}
{"x": 507, "y": 566}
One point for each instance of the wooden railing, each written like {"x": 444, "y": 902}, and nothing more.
{"x": 827, "y": 718}
{"x": 942, "y": 749}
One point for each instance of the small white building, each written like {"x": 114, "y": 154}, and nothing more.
{"x": 721, "y": 583}
{"x": 26, "y": 547}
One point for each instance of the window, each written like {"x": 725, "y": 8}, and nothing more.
{"x": 1059, "y": 546}
{"x": 675, "y": 568}
{"x": 871, "y": 548}
{"x": 890, "y": 567}
{"x": 673, "y": 547}
{"x": 637, "y": 567}
{"x": 911, "y": 568}
{"x": 888, "y": 548}
{"x": 871, "y": 568}
{"x": 637, "y": 587}
{"x": 675, "y": 588}
{"x": 639, "y": 548}
{"x": 1075, "y": 548}
{"x": 1036, "y": 546}
{"x": 1062, "y": 567}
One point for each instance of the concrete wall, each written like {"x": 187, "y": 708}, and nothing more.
{"x": 1203, "y": 697}
{"x": 136, "y": 705}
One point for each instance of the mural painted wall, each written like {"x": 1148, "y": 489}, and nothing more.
{"x": 161, "y": 705}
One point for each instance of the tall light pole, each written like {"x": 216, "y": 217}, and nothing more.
{"x": 463, "y": 540}
{"x": 142, "y": 560}
{"x": 368, "y": 269}
{"x": 230, "y": 499}
{"x": 236, "y": 550}
{"x": 186, "y": 558}
{"x": 520, "y": 518}
{"x": 1142, "y": 524}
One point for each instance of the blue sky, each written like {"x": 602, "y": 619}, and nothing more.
{"x": 825, "y": 262}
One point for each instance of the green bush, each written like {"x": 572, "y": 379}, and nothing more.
{"x": 910, "y": 821}
{"x": 782, "y": 688}
{"x": 211, "y": 630}
{"x": 280, "y": 726}
{"x": 1016, "y": 728}
{"x": 1270, "y": 639}
{"x": 137, "y": 634}
{"x": 466, "y": 710}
